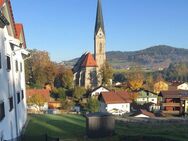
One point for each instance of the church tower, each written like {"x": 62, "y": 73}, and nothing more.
{"x": 99, "y": 38}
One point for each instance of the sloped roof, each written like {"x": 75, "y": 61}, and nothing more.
{"x": 79, "y": 62}
{"x": 19, "y": 28}
{"x": 1, "y": 2}
{"x": 19, "y": 32}
{"x": 116, "y": 97}
{"x": 99, "y": 88}
{"x": 144, "y": 112}
{"x": 44, "y": 92}
{"x": 89, "y": 61}
{"x": 99, "y": 18}
{"x": 174, "y": 94}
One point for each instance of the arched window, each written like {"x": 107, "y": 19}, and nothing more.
{"x": 101, "y": 47}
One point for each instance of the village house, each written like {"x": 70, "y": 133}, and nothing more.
{"x": 174, "y": 102}
{"x": 13, "y": 113}
{"x": 34, "y": 106}
{"x": 183, "y": 86}
{"x": 143, "y": 114}
{"x": 116, "y": 103}
{"x": 97, "y": 91}
{"x": 145, "y": 96}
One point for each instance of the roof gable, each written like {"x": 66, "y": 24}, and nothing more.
{"x": 20, "y": 33}
{"x": 89, "y": 61}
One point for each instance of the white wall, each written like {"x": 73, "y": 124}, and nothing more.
{"x": 153, "y": 100}
{"x": 147, "y": 100}
{"x": 125, "y": 107}
{"x": 142, "y": 116}
{"x": 98, "y": 91}
{"x": 183, "y": 86}
{"x": 11, "y": 82}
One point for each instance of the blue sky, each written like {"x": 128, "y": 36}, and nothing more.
{"x": 65, "y": 28}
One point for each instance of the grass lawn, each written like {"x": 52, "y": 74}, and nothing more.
{"x": 73, "y": 127}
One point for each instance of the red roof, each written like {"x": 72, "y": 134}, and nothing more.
{"x": 116, "y": 97}
{"x": 1, "y": 2}
{"x": 144, "y": 112}
{"x": 44, "y": 92}
{"x": 19, "y": 28}
{"x": 89, "y": 61}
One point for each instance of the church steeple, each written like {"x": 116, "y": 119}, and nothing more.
{"x": 99, "y": 38}
{"x": 99, "y": 18}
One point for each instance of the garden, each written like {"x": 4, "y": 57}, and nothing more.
{"x": 72, "y": 127}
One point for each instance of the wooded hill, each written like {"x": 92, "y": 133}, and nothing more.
{"x": 154, "y": 58}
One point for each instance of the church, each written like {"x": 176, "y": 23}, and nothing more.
{"x": 86, "y": 70}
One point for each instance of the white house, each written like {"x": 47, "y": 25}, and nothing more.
{"x": 144, "y": 114}
{"x": 183, "y": 86}
{"x": 116, "y": 103}
{"x": 13, "y": 113}
{"x": 97, "y": 91}
{"x": 145, "y": 96}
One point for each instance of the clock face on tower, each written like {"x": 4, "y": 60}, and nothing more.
{"x": 100, "y": 35}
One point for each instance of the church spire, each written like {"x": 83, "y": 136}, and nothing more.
{"x": 99, "y": 18}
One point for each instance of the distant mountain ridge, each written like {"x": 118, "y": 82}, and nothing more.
{"x": 150, "y": 58}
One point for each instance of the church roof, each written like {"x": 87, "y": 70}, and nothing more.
{"x": 99, "y": 18}
{"x": 89, "y": 61}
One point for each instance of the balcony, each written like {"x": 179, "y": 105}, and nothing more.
{"x": 171, "y": 112}
{"x": 171, "y": 104}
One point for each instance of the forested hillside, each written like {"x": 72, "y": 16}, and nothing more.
{"x": 151, "y": 58}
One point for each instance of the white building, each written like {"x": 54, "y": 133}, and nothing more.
{"x": 183, "y": 86}
{"x": 13, "y": 113}
{"x": 97, "y": 91}
{"x": 145, "y": 96}
{"x": 116, "y": 103}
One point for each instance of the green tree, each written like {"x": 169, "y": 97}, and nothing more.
{"x": 64, "y": 77}
{"x": 67, "y": 79}
{"x": 106, "y": 74}
{"x": 59, "y": 93}
{"x": 39, "y": 69}
{"x": 67, "y": 105}
{"x": 78, "y": 92}
{"x": 93, "y": 105}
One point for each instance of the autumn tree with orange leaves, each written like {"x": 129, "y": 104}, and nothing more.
{"x": 135, "y": 79}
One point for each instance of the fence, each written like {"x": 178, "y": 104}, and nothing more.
{"x": 158, "y": 120}
{"x": 38, "y": 138}
{"x": 144, "y": 138}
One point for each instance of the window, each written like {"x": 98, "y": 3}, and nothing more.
{"x": 2, "y": 111}
{"x": 100, "y": 48}
{"x": 0, "y": 61}
{"x": 18, "y": 97}
{"x": 8, "y": 63}
{"x": 11, "y": 103}
{"x": 21, "y": 67}
{"x": 22, "y": 94}
{"x": 16, "y": 64}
